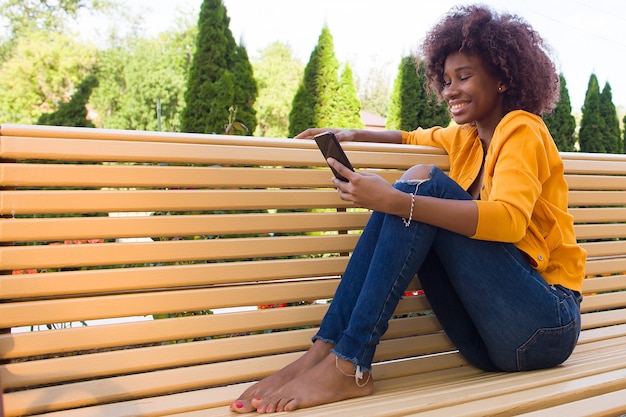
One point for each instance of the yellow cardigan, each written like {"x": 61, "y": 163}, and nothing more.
{"x": 523, "y": 199}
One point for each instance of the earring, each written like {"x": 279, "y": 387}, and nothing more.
{"x": 500, "y": 89}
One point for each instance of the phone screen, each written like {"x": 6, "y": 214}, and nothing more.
{"x": 330, "y": 147}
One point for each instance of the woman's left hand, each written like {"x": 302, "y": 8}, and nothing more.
{"x": 364, "y": 189}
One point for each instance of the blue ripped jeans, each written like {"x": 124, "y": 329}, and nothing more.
{"x": 496, "y": 309}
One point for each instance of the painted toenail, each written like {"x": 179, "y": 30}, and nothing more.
{"x": 238, "y": 404}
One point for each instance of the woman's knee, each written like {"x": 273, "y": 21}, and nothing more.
{"x": 417, "y": 172}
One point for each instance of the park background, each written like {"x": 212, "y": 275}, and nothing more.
{"x": 147, "y": 48}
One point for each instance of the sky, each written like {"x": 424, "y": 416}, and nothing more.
{"x": 587, "y": 36}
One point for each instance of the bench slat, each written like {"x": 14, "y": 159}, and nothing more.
{"x": 596, "y": 182}
{"x": 51, "y": 229}
{"x": 600, "y": 231}
{"x": 148, "y": 176}
{"x": 149, "y": 253}
{"x": 61, "y": 284}
{"x": 30, "y": 313}
{"x": 599, "y": 214}
{"x": 597, "y": 198}
{"x": 50, "y": 202}
{"x": 20, "y": 148}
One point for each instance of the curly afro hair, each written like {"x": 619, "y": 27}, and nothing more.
{"x": 509, "y": 47}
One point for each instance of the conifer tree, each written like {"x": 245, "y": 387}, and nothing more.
{"x": 74, "y": 112}
{"x": 561, "y": 123}
{"x": 219, "y": 76}
{"x": 314, "y": 104}
{"x": 411, "y": 104}
{"x": 348, "y": 104}
{"x": 592, "y": 127}
{"x": 245, "y": 89}
{"x": 612, "y": 137}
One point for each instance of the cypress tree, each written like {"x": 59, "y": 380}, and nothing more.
{"x": 74, "y": 112}
{"x": 314, "y": 104}
{"x": 612, "y": 135}
{"x": 592, "y": 126}
{"x": 561, "y": 123}
{"x": 246, "y": 90}
{"x": 220, "y": 76}
{"x": 411, "y": 104}
{"x": 348, "y": 104}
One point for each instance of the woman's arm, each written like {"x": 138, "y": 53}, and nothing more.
{"x": 356, "y": 135}
{"x": 375, "y": 193}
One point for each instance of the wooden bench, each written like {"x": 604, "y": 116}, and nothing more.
{"x": 117, "y": 246}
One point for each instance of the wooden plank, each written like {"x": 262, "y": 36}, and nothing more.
{"x": 61, "y": 284}
{"x": 595, "y": 319}
{"x": 605, "y": 266}
{"x": 106, "y": 201}
{"x": 59, "y": 132}
{"x": 596, "y": 182}
{"x": 597, "y": 198}
{"x": 150, "y": 253}
{"x": 604, "y": 249}
{"x": 605, "y": 164}
{"x": 605, "y": 301}
{"x": 64, "y": 228}
{"x": 30, "y": 313}
{"x": 16, "y": 148}
{"x": 600, "y": 284}
{"x": 599, "y": 214}
{"x": 600, "y": 231}
{"x": 160, "y": 176}
{"x": 609, "y": 404}
{"x": 20, "y": 345}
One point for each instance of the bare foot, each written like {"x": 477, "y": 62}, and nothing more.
{"x": 269, "y": 385}
{"x": 322, "y": 384}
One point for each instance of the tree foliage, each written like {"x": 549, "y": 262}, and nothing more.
{"x": 43, "y": 71}
{"x": 74, "y": 112}
{"x": 411, "y": 104}
{"x": 136, "y": 75}
{"x": 561, "y": 123}
{"x": 612, "y": 137}
{"x": 348, "y": 104}
{"x": 278, "y": 75}
{"x": 319, "y": 98}
{"x": 213, "y": 86}
{"x": 21, "y": 17}
{"x": 592, "y": 126}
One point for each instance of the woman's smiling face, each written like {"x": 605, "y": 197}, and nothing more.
{"x": 472, "y": 92}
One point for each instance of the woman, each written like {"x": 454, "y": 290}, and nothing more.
{"x": 492, "y": 242}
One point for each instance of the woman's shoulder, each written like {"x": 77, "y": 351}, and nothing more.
{"x": 521, "y": 119}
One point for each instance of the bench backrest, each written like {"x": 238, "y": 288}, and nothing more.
{"x": 210, "y": 258}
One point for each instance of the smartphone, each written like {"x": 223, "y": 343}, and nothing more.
{"x": 330, "y": 147}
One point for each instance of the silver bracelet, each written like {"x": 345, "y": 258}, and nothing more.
{"x": 407, "y": 222}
